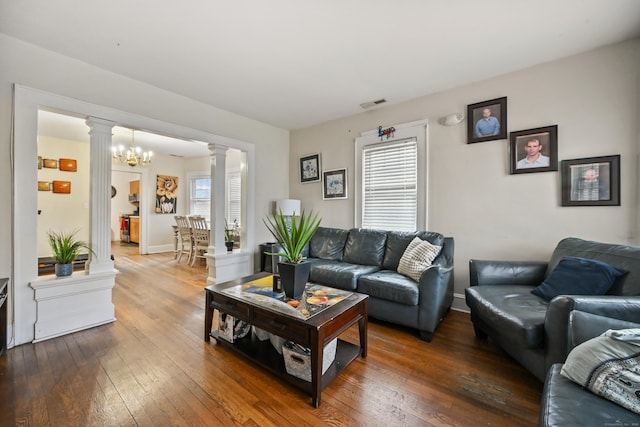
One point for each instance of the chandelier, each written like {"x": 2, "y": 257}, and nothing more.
{"x": 134, "y": 156}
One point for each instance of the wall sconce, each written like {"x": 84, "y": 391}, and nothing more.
{"x": 451, "y": 119}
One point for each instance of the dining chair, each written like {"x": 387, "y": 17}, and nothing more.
{"x": 200, "y": 232}
{"x": 186, "y": 241}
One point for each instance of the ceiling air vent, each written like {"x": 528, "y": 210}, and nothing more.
{"x": 370, "y": 104}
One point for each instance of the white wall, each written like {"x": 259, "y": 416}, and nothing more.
{"x": 593, "y": 98}
{"x": 34, "y": 67}
{"x": 63, "y": 212}
{"x": 159, "y": 226}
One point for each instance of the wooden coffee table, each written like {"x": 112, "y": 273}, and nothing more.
{"x": 314, "y": 332}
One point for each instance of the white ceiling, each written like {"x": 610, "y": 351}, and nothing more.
{"x": 296, "y": 63}
{"x": 75, "y": 129}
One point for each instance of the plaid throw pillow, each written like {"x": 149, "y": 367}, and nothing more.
{"x": 417, "y": 258}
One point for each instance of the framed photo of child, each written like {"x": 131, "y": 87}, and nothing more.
{"x": 592, "y": 181}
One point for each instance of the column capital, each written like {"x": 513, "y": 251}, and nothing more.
{"x": 217, "y": 149}
{"x": 98, "y": 124}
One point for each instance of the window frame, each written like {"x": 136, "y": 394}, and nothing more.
{"x": 191, "y": 177}
{"x": 417, "y": 130}
{"x": 230, "y": 174}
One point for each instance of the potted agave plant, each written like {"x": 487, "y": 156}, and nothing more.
{"x": 66, "y": 248}
{"x": 292, "y": 235}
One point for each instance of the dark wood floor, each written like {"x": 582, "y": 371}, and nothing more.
{"x": 152, "y": 368}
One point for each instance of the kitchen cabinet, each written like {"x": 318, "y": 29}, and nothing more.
{"x": 134, "y": 187}
{"x": 134, "y": 229}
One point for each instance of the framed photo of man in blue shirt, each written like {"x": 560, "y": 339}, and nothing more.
{"x": 487, "y": 120}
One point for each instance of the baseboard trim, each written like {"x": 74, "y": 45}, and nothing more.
{"x": 459, "y": 303}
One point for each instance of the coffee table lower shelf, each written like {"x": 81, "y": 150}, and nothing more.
{"x": 265, "y": 356}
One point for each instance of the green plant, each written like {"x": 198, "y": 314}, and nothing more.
{"x": 66, "y": 247}
{"x": 292, "y": 236}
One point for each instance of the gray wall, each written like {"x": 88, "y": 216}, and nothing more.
{"x": 592, "y": 97}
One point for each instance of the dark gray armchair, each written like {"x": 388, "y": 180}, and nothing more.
{"x": 534, "y": 331}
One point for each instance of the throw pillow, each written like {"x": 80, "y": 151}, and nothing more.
{"x": 417, "y": 258}
{"x": 609, "y": 366}
{"x": 578, "y": 276}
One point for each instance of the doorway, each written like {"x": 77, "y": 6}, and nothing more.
{"x": 27, "y": 103}
{"x": 125, "y": 203}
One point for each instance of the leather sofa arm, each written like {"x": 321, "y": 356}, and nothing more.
{"x": 484, "y": 272}
{"x": 557, "y": 321}
{"x": 434, "y": 276}
{"x": 583, "y": 326}
{"x": 436, "y": 295}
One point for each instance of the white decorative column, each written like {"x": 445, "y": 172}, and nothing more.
{"x": 84, "y": 299}
{"x": 223, "y": 266}
{"x": 100, "y": 199}
{"x": 218, "y": 163}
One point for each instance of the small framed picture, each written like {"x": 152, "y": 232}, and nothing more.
{"x": 69, "y": 165}
{"x": 310, "y": 168}
{"x": 334, "y": 184}
{"x": 593, "y": 181}
{"x": 50, "y": 163}
{"x": 487, "y": 120}
{"x": 63, "y": 187}
{"x": 534, "y": 150}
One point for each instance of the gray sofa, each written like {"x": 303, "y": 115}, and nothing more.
{"x": 366, "y": 261}
{"x": 565, "y": 403}
{"x": 532, "y": 330}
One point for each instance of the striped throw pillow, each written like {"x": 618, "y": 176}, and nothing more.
{"x": 417, "y": 258}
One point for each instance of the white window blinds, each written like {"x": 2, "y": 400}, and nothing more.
{"x": 200, "y": 196}
{"x": 389, "y": 179}
{"x": 234, "y": 197}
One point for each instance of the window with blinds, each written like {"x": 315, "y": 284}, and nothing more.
{"x": 234, "y": 195}
{"x": 390, "y": 195}
{"x": 200, "y": 196}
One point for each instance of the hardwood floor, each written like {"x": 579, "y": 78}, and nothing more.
{"x": 152, "y": 368}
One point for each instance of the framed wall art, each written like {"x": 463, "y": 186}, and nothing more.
{"x": 310, "y": 168}
{"x": 592, "y": 181}
{"x": 68, "y": 165}
{"x": 62, "y": 187}
{"x": 166, "y": 194}
{"x": 487, "y": 120}
{"x": 50, "y": 163}
{"x": 534, "y": 150}
{"x": 334, "y": 184}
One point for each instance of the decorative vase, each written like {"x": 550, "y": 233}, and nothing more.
{"x": 229, "y": 246}
{"x": 63, "y": 270}
{"x": 294, "y": 277}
